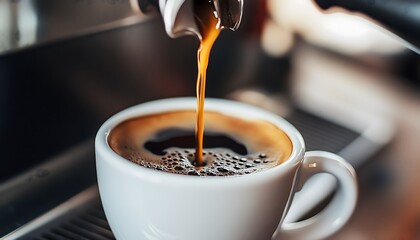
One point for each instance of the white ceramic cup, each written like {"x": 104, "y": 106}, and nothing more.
{"x": 142, "y": 203}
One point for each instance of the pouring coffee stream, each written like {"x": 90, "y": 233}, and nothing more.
{"x": 209, "y": 29}
{"x": 204, "y": 19}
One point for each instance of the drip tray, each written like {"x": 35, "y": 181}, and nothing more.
{"x": 81, "y": 217}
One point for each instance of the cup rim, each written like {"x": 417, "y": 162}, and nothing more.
{"x": 224, "y": 106}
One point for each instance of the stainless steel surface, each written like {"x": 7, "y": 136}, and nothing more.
{"x": 45, "y": 186}
{"x": 29, "y": 23}
{"x": 80, "y": 199}
{"x": 25, "y": 24}
{"x": 230, "y": 13}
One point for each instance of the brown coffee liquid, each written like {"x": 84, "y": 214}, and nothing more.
{"x": 209, "y": 27}
{"x": 232, "y": 146}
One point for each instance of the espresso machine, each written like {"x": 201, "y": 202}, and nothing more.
{"x": 66, "y": 66}
{"x": 33, "y": 23}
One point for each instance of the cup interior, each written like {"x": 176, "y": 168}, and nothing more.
{"x": 225, "y": 107}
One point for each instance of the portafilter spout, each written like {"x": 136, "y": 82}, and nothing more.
{"x": 179, "y": 15}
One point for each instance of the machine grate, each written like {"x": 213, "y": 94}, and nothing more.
{"x": 87, "y": 222}
{"x": 320, "y": 134}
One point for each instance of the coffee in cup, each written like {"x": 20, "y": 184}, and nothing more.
{"x": 233, "y": 145}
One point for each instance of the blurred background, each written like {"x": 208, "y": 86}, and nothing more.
{"x": 66, "y": 66}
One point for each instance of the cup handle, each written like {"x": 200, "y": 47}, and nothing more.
{"x": 338, "y": 211}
